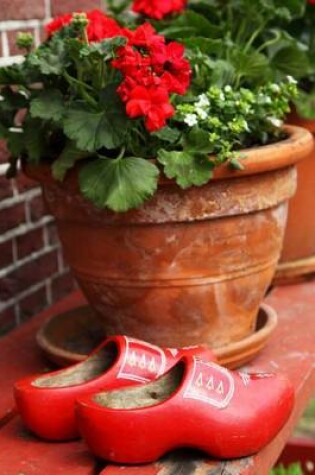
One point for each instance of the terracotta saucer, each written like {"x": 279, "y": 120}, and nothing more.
{"x": 68, "y": 337}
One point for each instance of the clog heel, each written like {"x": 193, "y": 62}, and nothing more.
{"x": 197, "y": 404}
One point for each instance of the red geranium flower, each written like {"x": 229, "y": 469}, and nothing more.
{"x": 146, "y": 37}
{"x": 152, "y": 103}
{"x": 100, "y": 25}
{"x": 158, "y": 9}
{"x": 57, "y": 23}
{"x": 177, "y": 69}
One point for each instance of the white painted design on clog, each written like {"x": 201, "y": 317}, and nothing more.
{"x": 245, "y": 377}
{"x": 210, "y": 383}
{"x": 142, "y": 362}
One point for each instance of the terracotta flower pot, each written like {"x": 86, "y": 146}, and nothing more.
{"x": 190, "y": 266}
{"x": 298, "y": 255}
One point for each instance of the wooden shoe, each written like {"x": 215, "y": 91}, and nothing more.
{"x": 46, "y": 402}
{"x": 196, "y": 404}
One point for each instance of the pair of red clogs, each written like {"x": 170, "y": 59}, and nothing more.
{"x": 132, "y": 402}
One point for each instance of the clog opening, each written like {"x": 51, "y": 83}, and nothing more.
{"x": 146, "y": 395}
{"x": 83, "y": 372}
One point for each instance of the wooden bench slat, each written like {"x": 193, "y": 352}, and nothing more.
{"x": 23, "y": 454}
{"x": 20, "y": 356}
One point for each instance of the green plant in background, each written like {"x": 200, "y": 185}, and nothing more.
{"x": 238, "y": 42}
{"x": 303, "y": 30}
{"x": 294, "y": 469}
{"x": 210, "y": 79}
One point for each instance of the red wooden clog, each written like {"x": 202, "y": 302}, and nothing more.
{"x": 46, "y": 402}
{"x": 196, "y": 404}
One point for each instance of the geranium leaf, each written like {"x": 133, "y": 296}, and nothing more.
{"x": 107, "y": 47}
{"x": 198, "y": 141}
{"x": 12, "y": 75}
{"x": 49, "y": 105}
{"x": 119, "y": 185}
{"x": 50, "y": 60}
{"x": 93, "y": 129}
{"x": 66, "y": 160}
{"x": 191, "y": 24}
{"x": 291, "y": 61}
{"x": 34, "y": 140}
{"x": 168, "y": 134}
{"x": 188, "y": 169}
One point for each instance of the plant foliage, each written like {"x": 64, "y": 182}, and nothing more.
{"x": 190, "y": 87}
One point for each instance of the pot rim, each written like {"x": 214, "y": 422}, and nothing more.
{"x": 274, "y": 156}
{"x": 257, "y": 160}
{"x": 297, "y": 120}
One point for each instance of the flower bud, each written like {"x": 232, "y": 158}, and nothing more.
{"x": 24, "y": 40}
{"x": 80, "y": 20}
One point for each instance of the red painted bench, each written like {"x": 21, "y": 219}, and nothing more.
{"x": 291, "y": 350}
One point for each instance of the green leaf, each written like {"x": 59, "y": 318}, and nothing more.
{"x": 235, "y": 164}
{"x": 15, "y": 143}
{"x": 197, "y": 141}
{"x": 223, "y": 73}
{"x": 34, "y": 140}
{"x": 51, "y": 59}
{"x": 12, "y": 75}
{"x": 191, "y": 24}
{"x": 205, "y": 45}
{"x": 188, "y": 169}
{"x": 251, "y": 65}
{"x": 119, "y": 185}
{"x": 107, "y": 48}
{"x": 291, "y": 61}
{"x": 48, "y": 105}
{"x": 305, "y": 105}
{"x": 168, "y": 134}
{"x": 66, "y": 160}
{"x": 92, "y": 129}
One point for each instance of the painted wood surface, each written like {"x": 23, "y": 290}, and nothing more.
{"x": 291, "y": 350}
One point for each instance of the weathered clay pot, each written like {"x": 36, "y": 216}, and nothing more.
{"x": 298, "y": 254}
{"x": 189, "y": 266}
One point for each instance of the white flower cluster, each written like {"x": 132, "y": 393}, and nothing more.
{"x": 201, "y": 109}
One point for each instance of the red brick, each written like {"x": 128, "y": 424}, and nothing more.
{"x": 23, "y": 183}
{"x": 12, "y": 217}
{"x": 33, "y": 303}
{"x": 6, "y": 190}
{"x": 68, "y": 6}
{"x": 4, "y": 154}
{"x": 6, "y": 254}
{"x": 7, "y": 320}
{"x": 22, "y": 10}
{"x": 37, "y": 208}
{"x": 14, "y": 50}
{"x": 62, "y": 285}
{"x": 52, "y": 234}
{"x": 28, "y": 274}
{"x": 30, "y": 242}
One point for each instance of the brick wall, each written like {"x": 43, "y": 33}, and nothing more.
{"x": 33, "y": 273}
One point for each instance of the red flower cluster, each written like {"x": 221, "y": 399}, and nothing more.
{"x": 158, "y": 9}
{"x": 152, "y": 70}
{"x": 100, "y": 25}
